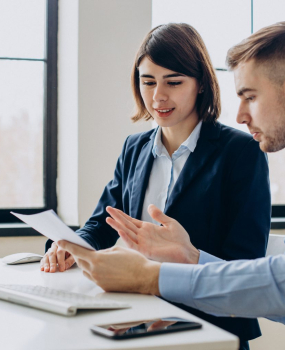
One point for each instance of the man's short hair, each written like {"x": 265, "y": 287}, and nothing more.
{"x": 266, "y": 47}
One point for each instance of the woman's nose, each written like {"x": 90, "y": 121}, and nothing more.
{"x": 159, "y": 94}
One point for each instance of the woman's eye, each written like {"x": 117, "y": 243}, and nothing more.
{"x": 148, "y": 83}
{"x": 174, "y": 83}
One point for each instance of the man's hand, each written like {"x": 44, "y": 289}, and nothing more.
{"x": 116, "y": 269}
{"x": 56, "y": 255}
{"x": 167, "y": 243}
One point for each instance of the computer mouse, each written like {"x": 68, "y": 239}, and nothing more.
{"x": 21, "y": 258}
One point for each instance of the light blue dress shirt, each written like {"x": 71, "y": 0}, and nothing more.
{"x": 166, "y": 170}
{"x": 241, "y": 288}
{"x": 205, "y": 258}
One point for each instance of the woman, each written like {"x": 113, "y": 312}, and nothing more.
{"x": 211, "y": 178}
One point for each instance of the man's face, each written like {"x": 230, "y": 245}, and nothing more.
{"x": 262, "y": 105}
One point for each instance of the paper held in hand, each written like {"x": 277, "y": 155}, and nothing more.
{"x": 49, "y": 224}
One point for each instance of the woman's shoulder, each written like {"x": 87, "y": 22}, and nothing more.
{"x": 233, "y": 136}
{"x": 236, "y": 142}
{"x": 140, "y": 138}
{"x": 228, "y": 131}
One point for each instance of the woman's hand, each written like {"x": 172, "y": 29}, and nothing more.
{"x": 167, "y": 243}
{"x": 56, "y": 255}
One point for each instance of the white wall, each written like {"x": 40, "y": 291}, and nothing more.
{"x": 98, "y": 40}
{"x": 67, "y": 181}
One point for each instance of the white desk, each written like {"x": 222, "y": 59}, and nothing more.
{"x": 23, "y": 328}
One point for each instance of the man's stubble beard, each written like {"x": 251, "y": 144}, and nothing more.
{"x": 274, "y": 144}
{"x": 276, "y": 141}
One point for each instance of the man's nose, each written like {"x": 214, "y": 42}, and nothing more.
{"x": 243, "y": 116}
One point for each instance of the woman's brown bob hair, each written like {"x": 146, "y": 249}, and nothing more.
{"x": 180, "y": 48}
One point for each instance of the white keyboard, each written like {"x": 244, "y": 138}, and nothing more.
{"x": 53, "y": 300}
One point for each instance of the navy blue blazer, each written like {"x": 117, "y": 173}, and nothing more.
{"x": 221, "y": 198}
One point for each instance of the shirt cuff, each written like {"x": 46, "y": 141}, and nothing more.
{"x": 207, "y": 258}
{"x": 175, "y": 282}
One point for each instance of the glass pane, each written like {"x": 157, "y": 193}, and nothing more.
{"x": 221, "y": 23}
{"x": 22, "y": 28}
{"x": 267, "y": 12}
{"x": 230, "y": 101}
{"x": 277, "y": 170}
{"x": 21, "y": 134}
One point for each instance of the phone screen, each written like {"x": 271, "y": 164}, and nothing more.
{"x": 144, "y": 327}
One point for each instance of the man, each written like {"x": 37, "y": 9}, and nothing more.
{"x": 241, "y": 288}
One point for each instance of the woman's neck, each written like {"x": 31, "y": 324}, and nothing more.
{"x": 172, "y": 137}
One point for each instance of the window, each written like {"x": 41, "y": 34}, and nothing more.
{"x": 222, "y": 24}
{"x": 28, "y": 105}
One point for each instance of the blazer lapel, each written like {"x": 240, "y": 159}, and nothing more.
{"x": 141, "y": 178}
{"x": 206, "y": 146}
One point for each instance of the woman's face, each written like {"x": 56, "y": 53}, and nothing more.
{"x": 169, "y": 97}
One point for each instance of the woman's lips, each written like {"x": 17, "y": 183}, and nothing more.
{"x": 163, "y": 112}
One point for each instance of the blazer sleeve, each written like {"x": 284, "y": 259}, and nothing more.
{"x": 96, "y": 231}
{"x": 248, "y": 203}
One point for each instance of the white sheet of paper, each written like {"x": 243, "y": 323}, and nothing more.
{"x": 49, "y": 224}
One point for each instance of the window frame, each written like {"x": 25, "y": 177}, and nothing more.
{"x": 50, "y": 133}
{"x": 277, "y": 210}
{"x": 49, "y": 122}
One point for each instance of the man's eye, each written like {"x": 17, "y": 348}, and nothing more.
{"x": 251, "y": 98}
{"x": 174, "y": 83}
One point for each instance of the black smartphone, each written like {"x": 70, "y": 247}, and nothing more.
{"x": 144, "y": 328}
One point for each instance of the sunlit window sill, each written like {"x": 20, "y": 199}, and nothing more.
{"x": 21, "y": 230}
{"x": 277, "y": 223}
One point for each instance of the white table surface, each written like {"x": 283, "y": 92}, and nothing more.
{"x": 23, "y": 328}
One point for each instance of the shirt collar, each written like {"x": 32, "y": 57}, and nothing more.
{"x": 190, "y": 143}
{"x": 158, "y": 147}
